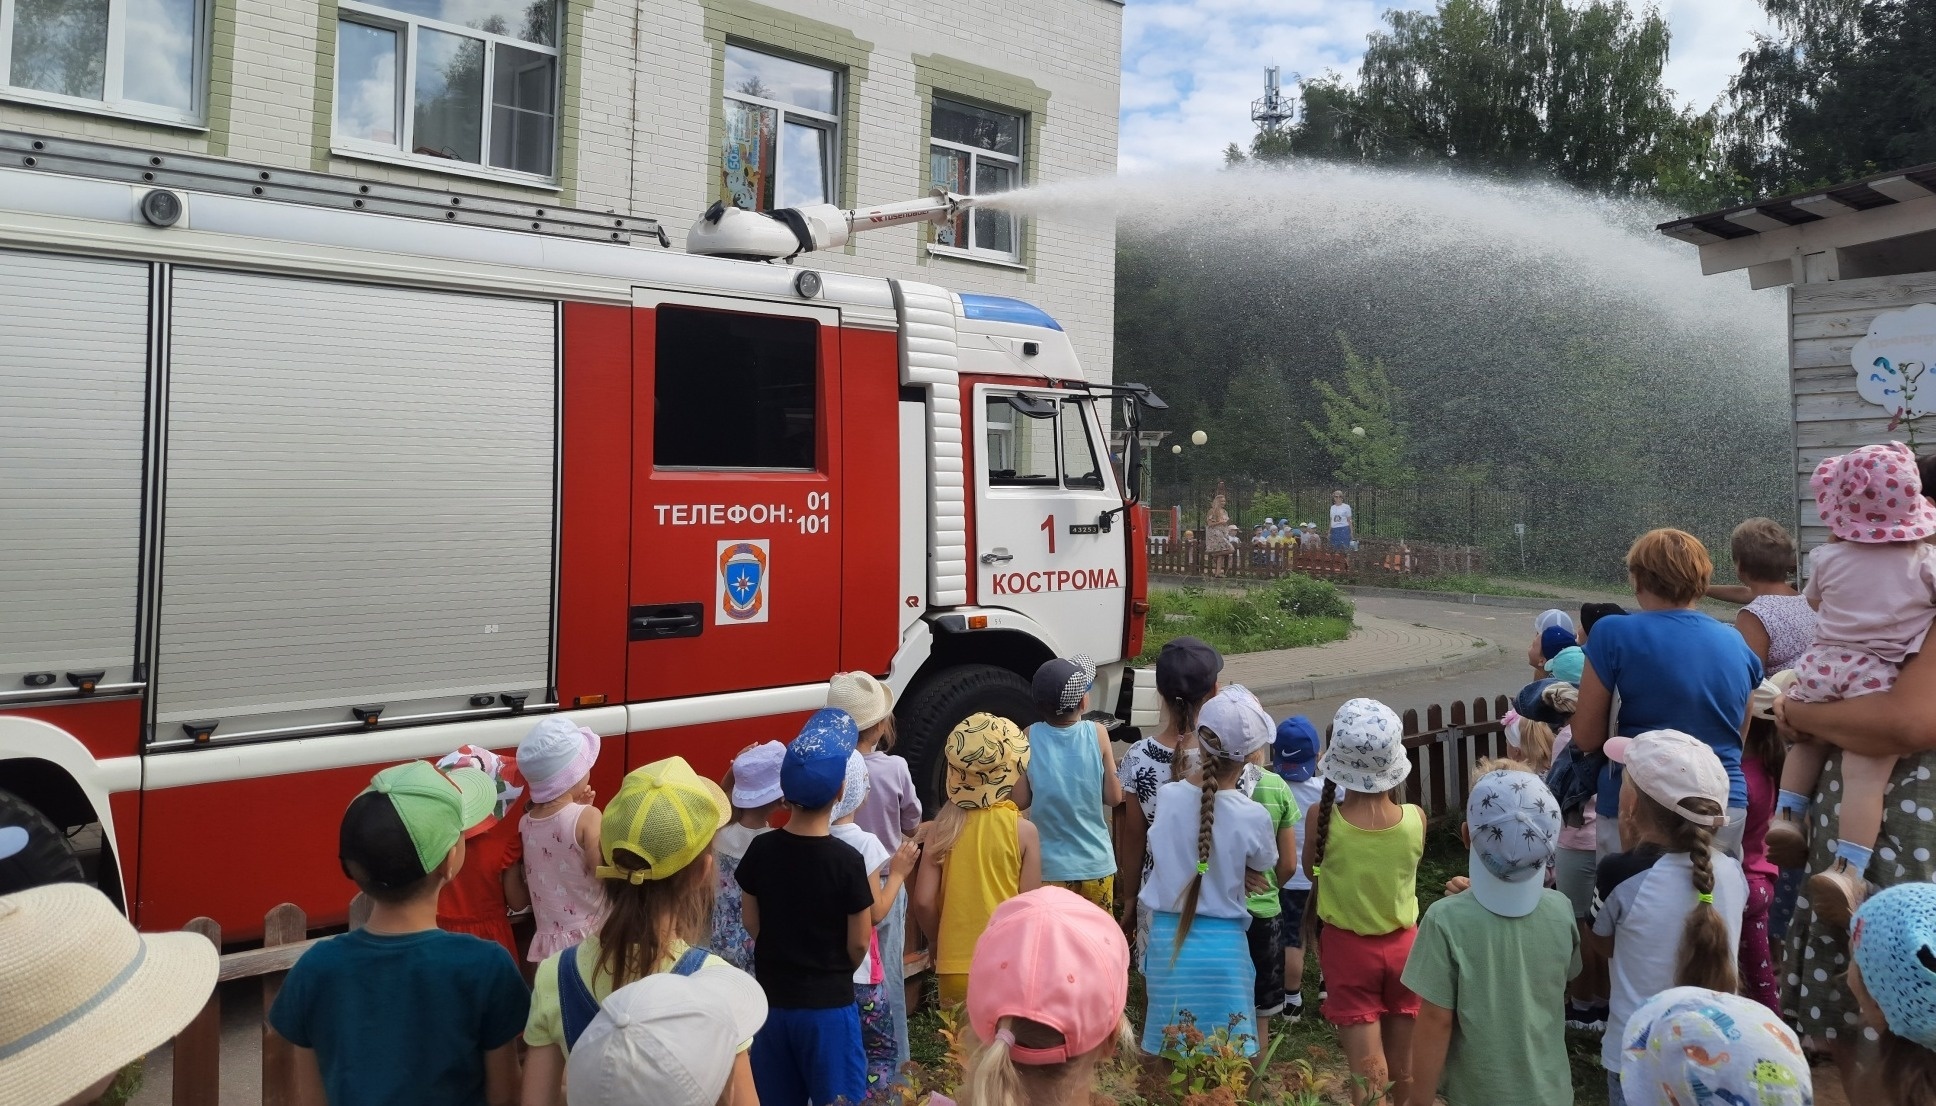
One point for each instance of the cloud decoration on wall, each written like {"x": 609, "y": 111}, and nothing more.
{"x": 1891, "y": 360}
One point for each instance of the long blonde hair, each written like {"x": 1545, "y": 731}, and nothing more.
{"x": 993, "y": 1078}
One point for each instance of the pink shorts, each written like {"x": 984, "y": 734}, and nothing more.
{"x": 1362, "y": 975}
{"x": 1830, "y": 673}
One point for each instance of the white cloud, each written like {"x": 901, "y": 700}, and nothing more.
{"x": 1191, "y": 69}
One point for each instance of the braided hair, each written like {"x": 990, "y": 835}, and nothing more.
{"x": 1183, "y": 712}
{"x": 1320, "y": 836}
{"x": 1706, "y": 956}
{"x": 1218, "y": 767}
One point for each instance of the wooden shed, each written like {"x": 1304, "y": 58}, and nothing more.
{"x": 1860, "y": 263}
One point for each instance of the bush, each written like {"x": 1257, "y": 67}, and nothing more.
{"x": 1308, "y": 597}
{"x": 1257, "y": 621}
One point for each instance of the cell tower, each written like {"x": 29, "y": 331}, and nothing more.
{"x": 1276, "y": 109}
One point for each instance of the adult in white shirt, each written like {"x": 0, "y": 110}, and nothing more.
{"x": 1342, "y": 536}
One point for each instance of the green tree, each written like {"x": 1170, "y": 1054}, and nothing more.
{"x": 1362, "y": 430}
{"x": 1255, "y": 431}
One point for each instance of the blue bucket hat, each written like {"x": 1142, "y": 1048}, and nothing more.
{"x": 1295, "y": 752}
{"x": 1893, "y": 941}
{"x": 815, "y": 766}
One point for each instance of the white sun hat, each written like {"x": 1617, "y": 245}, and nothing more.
{"x": 1367, "y": 750}
{"x": 86, "y": 994}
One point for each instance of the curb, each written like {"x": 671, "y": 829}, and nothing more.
{"x": 1298, "y": 691}
{"x": 1515, "y": 602}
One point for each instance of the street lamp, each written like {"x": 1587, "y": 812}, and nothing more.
{"x": 1357, "y": 431}
{"x": 1199, "y": 438}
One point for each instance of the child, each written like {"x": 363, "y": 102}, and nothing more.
{"x": 1564, "y": 660}
{"x": 1874, "y": 588}
{"x": 1550, "y": 619}
{"x": 1490, "y": 965}
{"x": 1775, "y": 620}
{"x": 1072, "y": 784}
{"x": 400, "y": 1011}
{"x": 980, "y": 851}
{"x": 891, "y": 813}
{"x": 483, "y": 895}
{"x": 560, "y": 834}
{"x": 669, "y": 1040}
{"x": 1694, "y": 1045}
{"x": 1295, "y": 757}
{"x": 1668, "y": 910}
{"x": 1269, "y": 791}
{"x": 86, "y": 994}
{"x": 1531, "y": 738}
{"x": 657, "y": 882}
{"x": 1892, "y": 973}
{"x": 756, "y": 794}
{"x": 1186, "y": 677}
{"x": 816, "y": 893}
{"x": 886, "y": 873}
{"x": 1050, "y": 979}
{"x": 1762, "y": 754}
{"x": 1205, "y": 840}
{"x": 1369, "y": 902}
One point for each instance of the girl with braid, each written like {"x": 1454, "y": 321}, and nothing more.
{"x": 1209, "y": 841}
{"x": 1362, "y": 853}
{"x": 1186, "y": 678}
{"x": 1667, "y": 911}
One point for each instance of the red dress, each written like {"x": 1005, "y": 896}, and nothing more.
{"x": 474, "y": 902}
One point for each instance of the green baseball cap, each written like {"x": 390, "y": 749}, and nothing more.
{"x": 409, "y": 818}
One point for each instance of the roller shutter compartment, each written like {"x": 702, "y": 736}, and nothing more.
{"x": 359, "y": 504}
{"x": 73, "y": 405}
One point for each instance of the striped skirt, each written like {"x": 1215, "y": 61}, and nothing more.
{"x": 1211, "y": 977}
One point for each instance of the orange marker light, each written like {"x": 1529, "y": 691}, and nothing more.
{"x": 978, "y": 622}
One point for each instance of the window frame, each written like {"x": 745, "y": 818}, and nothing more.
{"x": 1016, "y": 163}
{"x": 1067, "y": 406}
{"x": 114, "y": 66}
{"x": 821, "y": 321}
{"x": 406, "y": 26}
{"x": 831, "y": 124}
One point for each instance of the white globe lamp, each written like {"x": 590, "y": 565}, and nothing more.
{"x": 1199, "y": 438}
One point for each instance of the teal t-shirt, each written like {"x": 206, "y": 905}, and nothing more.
{"x": 405, "y": 1019}
{"x": 1504, "y": 979}
{"x": 1065, "y": 802}
{"x": 1274, "y": 795}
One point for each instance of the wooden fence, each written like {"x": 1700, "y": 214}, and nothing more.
{"x": 1374, "y": 559}
{"x": 1444, "y": 751}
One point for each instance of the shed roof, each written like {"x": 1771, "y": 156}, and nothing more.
{"x": 1778, "y": 229}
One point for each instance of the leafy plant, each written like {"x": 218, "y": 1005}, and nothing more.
{"x": 1203, "y": 1064}
{"x": 943, "y": 1071}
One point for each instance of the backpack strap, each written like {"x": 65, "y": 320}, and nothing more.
{"x": 693, "y": 960}
{"x": 576, "y": 1004}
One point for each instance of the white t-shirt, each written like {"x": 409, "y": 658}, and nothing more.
{"x": 1242, "y": 839}
{"x": 873, "y": 856}
{"x": 1308, "y": 795}
{"x": 1340, "y": 515}
{"x": 1641, "y": 899}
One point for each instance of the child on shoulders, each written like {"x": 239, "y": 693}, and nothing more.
{"x": 755, "y": 778}
{"x": 560, "y": 834}
{"x": 1072, "y": 783}
{"x": 400, "y": 1012}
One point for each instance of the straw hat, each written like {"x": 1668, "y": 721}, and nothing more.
{"x": 86, "y": 994}
{"x": 862, "y": 696}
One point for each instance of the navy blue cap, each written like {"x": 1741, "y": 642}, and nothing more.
{"x": 815, "y": 766}
{"x": 1531, "y": 703}
{"x": 1555, "y": 638}
{"x": 1295, "y": 752}
{"x": 1187, "y": 669}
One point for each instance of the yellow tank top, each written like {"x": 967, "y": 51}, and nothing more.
{"x": 1369, "y": 884}
{"x": 981, "y": 872}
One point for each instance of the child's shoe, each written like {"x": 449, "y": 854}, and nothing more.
{"x": 1787, "y": 841}
{"x": 1837, "y": 893}
{"x": 1293, "y": 1009}
{"x": 1592, "y": 1019}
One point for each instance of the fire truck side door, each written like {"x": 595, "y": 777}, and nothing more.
{"x": 1043, "y": 487}
{"x": 735, "y": 528}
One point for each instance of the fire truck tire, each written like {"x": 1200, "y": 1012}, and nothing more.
{"x": 47, "y": 856}
{"x": 934, "y": 707}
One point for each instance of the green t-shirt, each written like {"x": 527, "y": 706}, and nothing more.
{"x": 1274, "y": 795}
{"x": 1504, "y": 979}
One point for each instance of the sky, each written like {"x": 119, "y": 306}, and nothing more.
{"x": 1192, "y": 67}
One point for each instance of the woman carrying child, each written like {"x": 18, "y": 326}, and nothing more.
{"x": 560, "y": 833}
{"x": 979, "y": 851}
{"x": 1206, "y": 840}
{"x": 657, "y": 879}
{"x": 1670, "y": 906}
{"x": 1362, "y": 853}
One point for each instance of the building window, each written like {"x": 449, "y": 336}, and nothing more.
{"x": 782, "y": 132}
{"x": 977, "y": 152}
{"x": 469, "y": 81}
{"x": 735, "y": 392}
{"x": 143, "y": 58}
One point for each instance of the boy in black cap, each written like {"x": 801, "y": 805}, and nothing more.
{"x": 400, "y": 1012}
{"x": 1072, "y": 783}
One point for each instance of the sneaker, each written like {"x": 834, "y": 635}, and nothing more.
{"x": 1271, "y": 1012}
{"x": 1592, "y": 1019}
{"x": 1293, "y": 1012}
{"x": 1836, "y": 894}
{"x": 1322, "y": 995}
{"x": 1787, "y": 842}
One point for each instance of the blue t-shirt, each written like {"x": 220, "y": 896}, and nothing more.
{"x": 1676, "y": 670}
{"x": 1065, "y": 802}
{"x": 402, "y": 1019}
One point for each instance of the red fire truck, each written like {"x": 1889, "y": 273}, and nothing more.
{"x": 305, "y": 475}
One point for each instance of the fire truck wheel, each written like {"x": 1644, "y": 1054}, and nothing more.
{"x": 44, "y": 856}
{"x": 932, "y": 709}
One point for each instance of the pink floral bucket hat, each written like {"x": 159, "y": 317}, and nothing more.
{"x": 1873, "y": 494}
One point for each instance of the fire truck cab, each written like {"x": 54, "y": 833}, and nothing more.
{"x": 307, "y": 475}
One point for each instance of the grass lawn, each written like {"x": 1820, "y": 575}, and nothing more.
{"x": 1307, "y": 1067}
{"x": 1284, "y": 614}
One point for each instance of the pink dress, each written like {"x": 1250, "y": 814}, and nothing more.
{"x": 566, "y": 902}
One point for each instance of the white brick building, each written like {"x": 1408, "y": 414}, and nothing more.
{"x": 651, "y": 108}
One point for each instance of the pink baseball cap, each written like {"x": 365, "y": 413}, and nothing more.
{"x": 1873, "y": 494}
{"x": 1670, "y": 766}
{"x": 1053, "y": 957}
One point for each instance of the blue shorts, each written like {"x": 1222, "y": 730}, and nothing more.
{"x": 803, "y": 1057}
{"x": 1290, "y": 919}
{"x": 1341, "y": 537}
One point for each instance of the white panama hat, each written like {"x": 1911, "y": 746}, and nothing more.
{"x": 860, "y": 695}
{"x": 86, "y": 994}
